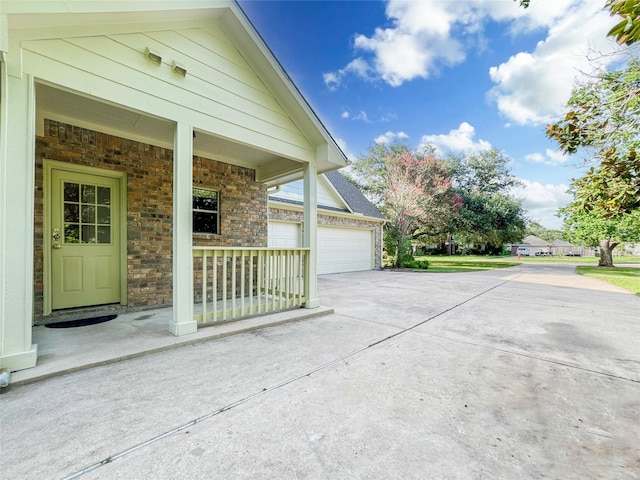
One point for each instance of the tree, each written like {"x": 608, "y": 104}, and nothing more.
{"x": 412, "y": 190}
{"x": 488, "y": 213}
{"x": 546, "y": 234}
{"x": 626, "y": 31}
{"x": 603, "y": 119}
{"x": 593, "y": 229}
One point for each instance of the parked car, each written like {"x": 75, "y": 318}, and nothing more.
{"x": 543, "y": 253}
{"x": 571, "y": 253}
{"x": 522, "y": 251}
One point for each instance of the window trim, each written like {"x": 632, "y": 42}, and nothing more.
{"x": 194, "y": 191}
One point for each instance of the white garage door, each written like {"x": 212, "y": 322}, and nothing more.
{"x": 284, "y": 235}
{"x": 344, "y": 250}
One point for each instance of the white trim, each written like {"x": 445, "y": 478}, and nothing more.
{"x": 310, "y": 234}
{"x": 17, "y": 166}
{"x": 322, "y": 211}
{"x": 183, "y": 322}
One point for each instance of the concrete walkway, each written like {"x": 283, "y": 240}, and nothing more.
{"x": 528, "y": 372}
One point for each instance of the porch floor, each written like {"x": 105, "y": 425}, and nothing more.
{"x": 130, "y": 335}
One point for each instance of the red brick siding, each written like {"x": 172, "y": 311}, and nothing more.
{"x": 149, "y": 170}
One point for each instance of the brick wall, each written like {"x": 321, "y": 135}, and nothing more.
{"x": 149, "y": 169}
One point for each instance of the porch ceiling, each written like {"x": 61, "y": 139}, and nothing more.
{"x": 77, "y": 109}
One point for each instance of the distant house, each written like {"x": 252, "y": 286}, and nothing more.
{"x": 349, "y": 225}
{"x": 562, "y": 247}
{"x": 533, "y": 244}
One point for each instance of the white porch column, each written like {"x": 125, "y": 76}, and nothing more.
{"x": 183, "y": 322}
{"x": 17, "y": 167}
{"x": 310, "y": 233}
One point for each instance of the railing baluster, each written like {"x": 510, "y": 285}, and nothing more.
{"x": 214, "y": 293}
{"x": 234, "y": 286}
{"x": 204, "y": 286}
{"x": 251, "y": 282}
{"x": 260, "y": 282}
{"x": 224, "y": 285}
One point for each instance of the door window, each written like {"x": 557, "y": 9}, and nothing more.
{"x": 87, "y": 213}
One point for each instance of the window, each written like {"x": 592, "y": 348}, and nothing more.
{"x": 87, "y": 213}
{"x": 205, "y": 211}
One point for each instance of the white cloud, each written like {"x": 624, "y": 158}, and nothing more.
{"x": 533, "y": 87}
{"x": 556, "y": 157}
{"x": 416, "y": 45}
{"x": 389, "y": 137}
{"x": 427, "y": 35}
{"x": 457, "y": 140}
{"x": 535, "y": 158}
{"x": 551, "y": 157}
{"x": 543, "y": 201}
{"x": 361, "y": 115}
{"x": 358, "y": 67}
{"x": 345, "y": 115}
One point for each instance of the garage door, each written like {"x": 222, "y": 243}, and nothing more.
{"x": 344, "y": 250}
{"x": 284, "y": 235}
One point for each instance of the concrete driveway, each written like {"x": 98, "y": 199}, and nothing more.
{"x": 529, "y": 372}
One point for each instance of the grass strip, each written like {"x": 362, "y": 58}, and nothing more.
{"x": 466, "y": 264}
{"x": 624, "y": 277}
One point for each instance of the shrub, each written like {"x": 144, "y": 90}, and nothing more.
{"x": 422, "y": 264}
{"x": 407, "y": 260}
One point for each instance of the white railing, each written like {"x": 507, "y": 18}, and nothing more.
{"x": 231, "y": 283}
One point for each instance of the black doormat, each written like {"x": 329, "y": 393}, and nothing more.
{"x": 81, "y": 322}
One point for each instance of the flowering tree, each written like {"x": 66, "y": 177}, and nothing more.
{"x": 412, "y": 190}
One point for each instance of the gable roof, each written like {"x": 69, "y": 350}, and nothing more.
{"x": 243, "y": 105}
{"x": 352, "y": 196}
{"x": 533, "y": 240}
{"x": 335, "y": 193}
{"x": 561, "y": 243}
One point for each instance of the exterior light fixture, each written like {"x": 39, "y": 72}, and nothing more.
{"x": 153, "y": 57}
{"x": 179, "y": 69}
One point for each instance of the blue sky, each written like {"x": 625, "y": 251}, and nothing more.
{"x": 460, "y": 75}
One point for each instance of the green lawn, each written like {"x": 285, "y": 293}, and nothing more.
{"x": 624, "y": 277}
{"x": 468, "y": 263}
{"x": 474, "y": 263}
{"x": 585, "y": 260}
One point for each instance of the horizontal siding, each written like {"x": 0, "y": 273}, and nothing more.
{"x": 295, "y": 191}
{"x": 220, "y": 87}
{"x": 83, "y": 81}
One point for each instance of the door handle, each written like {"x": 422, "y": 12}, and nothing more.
{"x": 56, "y": 246}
